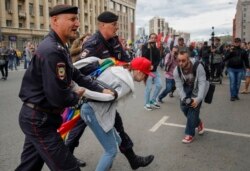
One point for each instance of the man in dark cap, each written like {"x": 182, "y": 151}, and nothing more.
{"x": 104, "y": 44}
{"x": 63, "y": 9}
{"x": 46, "y": 91}
{"x": 237, "y": 62}
{"x": 107, "y": 17}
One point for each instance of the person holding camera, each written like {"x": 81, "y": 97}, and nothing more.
{"x": 151, "y": 52}
{"x": 170, "y": 64}
{"x": 237, "y": 60}
{"x": 192, "y": 89}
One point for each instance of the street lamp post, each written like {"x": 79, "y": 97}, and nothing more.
{"x": 212, "y": 36}
{"x": 1, "y": 31}
{"x": 212, "y": 43}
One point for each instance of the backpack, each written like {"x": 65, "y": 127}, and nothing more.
{"x": 195, "y": 66}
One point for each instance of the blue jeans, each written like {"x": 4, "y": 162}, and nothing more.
{"x": 193, "y": 118}
{"x": 169, "y": 86}
{"x": 235, "y": 77}
{"x": 108, "y": 139}
{"x": 26, "y": 63}
{"x": 149, "y": 83}
{"x": 13, "y": 63}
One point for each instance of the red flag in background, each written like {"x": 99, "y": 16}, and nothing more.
{"x": 158, "y": 41}
{"x": 166, "y": 38}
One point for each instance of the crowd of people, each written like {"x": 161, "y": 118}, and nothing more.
{"x": 58, "y": 76}
{"x": 11, "y": 58}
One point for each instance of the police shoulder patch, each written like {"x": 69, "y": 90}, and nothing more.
{"x": 85, "y": 52}
{"x": 61, "y": 70}
{"x": 60, "y": 47}
{"x": 117, "y": 46}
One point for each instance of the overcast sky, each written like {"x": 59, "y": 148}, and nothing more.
{"x": 194, "y": 16}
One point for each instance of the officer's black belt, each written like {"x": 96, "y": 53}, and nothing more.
{"x": 40, "y": 109}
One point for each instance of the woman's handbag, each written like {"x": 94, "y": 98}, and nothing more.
{"x": 210, "y": 93}
{"x": 2, "y": 61}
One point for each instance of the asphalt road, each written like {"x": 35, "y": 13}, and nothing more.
{"x": 224, "y": 146}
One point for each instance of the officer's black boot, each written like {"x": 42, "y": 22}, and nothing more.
{"x": 136, "y": 161}
{"x": 71, "y": 148}
{"x": 80, "y": 163}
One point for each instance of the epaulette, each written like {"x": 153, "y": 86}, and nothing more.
{"x": 92, "y": 41}
{"x": 60, "y": 47}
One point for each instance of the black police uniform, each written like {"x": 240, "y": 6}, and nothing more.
{"x": 96, "y": 45}
{"x": 46, "y": 91}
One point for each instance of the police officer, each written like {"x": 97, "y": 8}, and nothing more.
{"x": 104, "y": 44}
{"x": 46, "y": 91}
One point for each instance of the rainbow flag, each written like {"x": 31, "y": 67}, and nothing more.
{"x": 71, "y": 115}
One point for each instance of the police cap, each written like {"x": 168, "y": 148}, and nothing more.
{"x": 237, "y": 39}
{"x": 63, "y": 9}
{"x": 107, "y": 17}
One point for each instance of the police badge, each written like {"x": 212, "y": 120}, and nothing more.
{"x": 84, "y": 53}
{"x": 61, "y": 70}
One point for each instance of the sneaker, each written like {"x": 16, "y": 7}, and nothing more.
{"x": 160, "y": 100}
{"x": 171, "y": 94}
{"x": 154, "y": 104}
{"x": 187, "y": 139}
{"x": 237, "y": 98}
{"x": 148, "y": 107}
{"x": 232, "y": 99}
{"x": 243, "y": 92}
{"x": 201, "y": 128}
{"x": 81, "y": 163}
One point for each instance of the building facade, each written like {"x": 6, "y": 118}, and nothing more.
{"x": 158, "y": 25}
{"x": 28, "y": 20}
{"x": 241, "y": 27}
{"x": 141, "y": 32}
{"x": 125, "y": 9}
